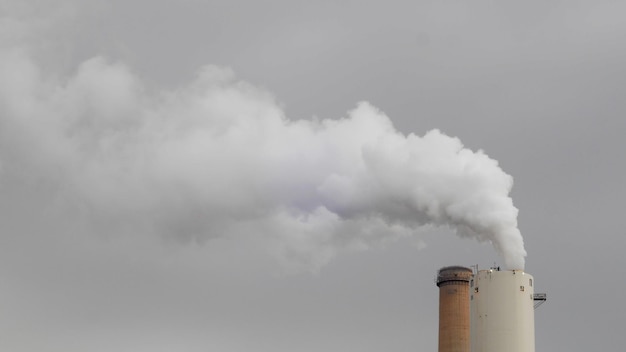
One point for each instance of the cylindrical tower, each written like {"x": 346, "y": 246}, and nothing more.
{"x": 502, "y": 309}
{"x": 454, "y": 310}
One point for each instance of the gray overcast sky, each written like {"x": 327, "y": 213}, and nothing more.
{"x": 538, "y": 85}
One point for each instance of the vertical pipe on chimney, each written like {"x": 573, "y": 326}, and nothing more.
{"x": 454, "y": 308}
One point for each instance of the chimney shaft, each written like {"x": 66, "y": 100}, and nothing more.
{"x": 454, "y": 308}
{"x": 503, "y": 317}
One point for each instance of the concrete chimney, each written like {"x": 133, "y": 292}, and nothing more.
{"x": 502, "y": 305}
{"x": 454, "y": 308}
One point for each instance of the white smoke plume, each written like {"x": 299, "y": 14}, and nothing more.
{"x": 218, "y": 157}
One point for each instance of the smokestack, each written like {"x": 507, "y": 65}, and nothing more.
{"x": 502, "y": 310}
{"x": 454, "y": 308}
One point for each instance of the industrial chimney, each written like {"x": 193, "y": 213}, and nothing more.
{"x": 502, "y": 304}
{"x": 454, "y": 308}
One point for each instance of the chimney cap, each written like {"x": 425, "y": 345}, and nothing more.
{"x": 455, "y": 273}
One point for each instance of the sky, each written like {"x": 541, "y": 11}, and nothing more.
{"x": 287, "y": 175}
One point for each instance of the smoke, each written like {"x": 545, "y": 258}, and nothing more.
{"x": 218, "y": 157}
